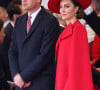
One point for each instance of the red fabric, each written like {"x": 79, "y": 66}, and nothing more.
{"x": 96, "y": 48}
{"x": 73, "y": 60}
{"x": 84, "y": 3}
{"x": 94, "y": 63}
{"x": 96, "y": 87}
{"x": 53, "y": 5}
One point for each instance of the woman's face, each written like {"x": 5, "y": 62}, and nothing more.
{"x": 67, "y": 10}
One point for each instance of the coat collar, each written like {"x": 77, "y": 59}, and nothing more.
{"x": 68, "y": 32}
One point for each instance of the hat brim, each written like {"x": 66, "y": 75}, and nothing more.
{"x": 53, "y": 5}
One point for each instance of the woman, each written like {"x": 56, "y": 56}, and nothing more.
{"x": 72, "y": 52}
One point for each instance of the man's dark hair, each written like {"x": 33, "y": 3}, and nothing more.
{"x": 13, "y": 8}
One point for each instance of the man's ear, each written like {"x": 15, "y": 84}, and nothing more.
{"x": 94, "y": 8}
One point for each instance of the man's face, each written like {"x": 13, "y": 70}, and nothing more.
{"x": 30, "y": 5}
{"x": 3, "y": 14}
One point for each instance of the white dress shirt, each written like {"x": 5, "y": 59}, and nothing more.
{"x": 33, "y": 15}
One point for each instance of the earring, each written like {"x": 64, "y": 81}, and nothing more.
{"x": 75, "y": 13}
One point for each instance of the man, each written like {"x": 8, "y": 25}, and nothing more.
{"x": 3, "y": 12}
{"x": 91, "y": 17}
{"x": 96, "y": 6}
{"x": 5, "y": 19}
{"x": 13, "y": 11}
{"x": 32, "y": 49}
{"x": 96, "y": 43}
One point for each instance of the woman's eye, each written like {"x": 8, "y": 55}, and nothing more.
{"x": 66, "y": 6}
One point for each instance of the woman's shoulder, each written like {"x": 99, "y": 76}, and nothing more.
{"x": 79, "y": 26}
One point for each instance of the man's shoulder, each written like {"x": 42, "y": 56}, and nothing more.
{"x": 22, "y": 17}
{"x": 8, "y": 28}
{"x": 46, "y": 15}
{"x": 50, "y": 16}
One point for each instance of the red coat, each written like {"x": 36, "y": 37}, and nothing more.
{"x": 96, "y": 48}
{"x": 73, "y": 60}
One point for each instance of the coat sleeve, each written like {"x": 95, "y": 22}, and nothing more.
{"x": 47, "y": 51}
{"x": 94, "y": 21}
{"x": 79, "y": 73}
{"x": 13, "y": 55}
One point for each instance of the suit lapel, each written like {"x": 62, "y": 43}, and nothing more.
{"x": 10, "y": 26}
{"x": 35, "y": 23}
{"x": 23, "y": 27}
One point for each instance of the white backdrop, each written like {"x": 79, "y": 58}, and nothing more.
{"x": 44, "y": 3}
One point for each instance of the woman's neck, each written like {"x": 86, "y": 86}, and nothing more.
{"x": 72, "y": 20}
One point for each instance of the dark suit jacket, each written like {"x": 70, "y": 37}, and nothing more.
{"x": 2, "y": 72}
{"x": 96, "y": 77}
{"x": 32, "y": 54}
{"x": 5, "y": 47}
{"x": 4, "y": 62}
{"x": 94, "y": 21}
{"x": 4, "y": 51}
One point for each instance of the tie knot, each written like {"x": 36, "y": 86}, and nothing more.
{"x": 29, "y": 17}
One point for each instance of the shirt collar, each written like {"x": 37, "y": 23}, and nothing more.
{"x": 33, "y": 15}
{"x": 12, "y": 23}
{"x": 6, "y": 23}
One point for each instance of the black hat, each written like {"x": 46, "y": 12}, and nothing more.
{"x": 4, "y": 3}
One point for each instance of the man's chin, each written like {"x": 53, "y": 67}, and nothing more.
{"x": 25, "y": 8}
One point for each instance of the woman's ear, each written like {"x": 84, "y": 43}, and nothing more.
{"x": 76, "y": 9}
